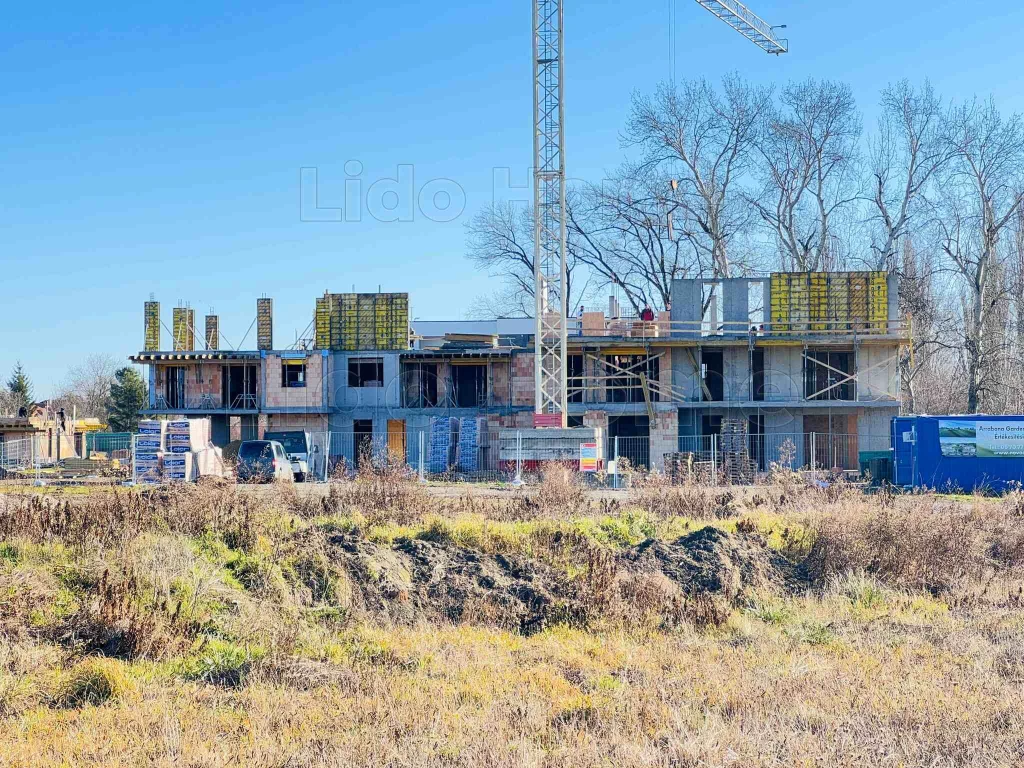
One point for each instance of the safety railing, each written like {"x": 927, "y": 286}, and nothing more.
{"x": 680, "y": 329}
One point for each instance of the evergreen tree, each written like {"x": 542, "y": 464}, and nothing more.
{"x": 127, "y": 397}
{"x": 20, "y": 388}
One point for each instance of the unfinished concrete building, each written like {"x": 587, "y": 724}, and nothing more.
{"x": 804, "y": 365}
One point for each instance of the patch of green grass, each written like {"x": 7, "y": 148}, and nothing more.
{"x": 259, "y": 576}
{"x": 776, "y": 614}
{"x": 63, "y": 604}
{"x": 213, "y": 548}
{"x": 862, "y": 591}
{"x": 220, "y": 662}
{"x": 811, "y": 633}
{"x": 344, "y": 524}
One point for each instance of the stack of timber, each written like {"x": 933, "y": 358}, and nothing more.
{"x": 737, "y": 465}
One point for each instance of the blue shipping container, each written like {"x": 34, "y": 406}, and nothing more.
{"x": 958, "y": 453}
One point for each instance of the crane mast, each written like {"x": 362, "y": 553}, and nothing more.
{"x": 549, "y": 258}
{"x": 549, "y": 269}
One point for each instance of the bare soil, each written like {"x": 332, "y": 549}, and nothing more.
{"x": 416, "y": 579}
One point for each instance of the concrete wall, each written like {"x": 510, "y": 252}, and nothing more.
{"x": 882, "y": 381}
{"x": 783, "y": 373}
{"x": 686, "y": 307}
{"x": 873, "y": 427}
{"x": 736, "y": 367}
{"x": 347, "y": 398}
{"x": 685, "y": 378}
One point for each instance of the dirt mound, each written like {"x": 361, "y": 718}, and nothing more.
{"x": 416, "y": 579}
{"x": 712, "y": 560}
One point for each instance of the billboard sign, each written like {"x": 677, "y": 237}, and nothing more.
{"x": 588, "y": 457}
{"x": 983, "y": 439}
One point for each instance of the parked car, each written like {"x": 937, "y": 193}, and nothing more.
{"x": 297, "y": 445}
{"x": 263, "y": 461}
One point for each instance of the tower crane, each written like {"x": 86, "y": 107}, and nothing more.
{"x": 550, "y": 280}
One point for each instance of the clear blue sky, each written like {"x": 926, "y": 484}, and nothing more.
{"x": 157, "y": 148}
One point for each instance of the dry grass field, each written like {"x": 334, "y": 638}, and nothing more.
{"x": 374, "y": 624}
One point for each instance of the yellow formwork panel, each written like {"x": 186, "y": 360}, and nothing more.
{"x": 818, "y": 289}
{"x": 183, "y": 329}
{"x": 323, "y": 323}
{"x": 878, "y": 301}
{"x": 366, "y": 321}
{"x": 152, "y": 326}
{"x": 829, "y": 301}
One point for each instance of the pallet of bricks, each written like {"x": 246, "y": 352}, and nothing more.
{"x": 472, "y": 436}
{"x": 443, "y": 448}
{"x": 149, "y": 453}
{"x": 179, "y": 463}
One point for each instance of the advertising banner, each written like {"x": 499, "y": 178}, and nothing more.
{"x": 984, "y": 439}
{"x": 588, "y": 457}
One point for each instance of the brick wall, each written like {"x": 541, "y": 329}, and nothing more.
{"x": 664, "y": 437}
{"x": 278, "y": 422}
{"x": 499, "y": 382}
{"x": 203, "y": 378}
{"x": 310, "y": 395}
{"x": 523, "y": 384}
{"x": 665, "y": 375}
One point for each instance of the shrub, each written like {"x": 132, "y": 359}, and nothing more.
{"x": 91, "y": 682}
{"x": 259, "y": 576}
{"x": 937, "y": 547}
{"x": 561, "y": 493}
{"x": 654, "y": 493}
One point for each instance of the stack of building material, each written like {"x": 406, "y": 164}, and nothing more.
{"x": 178, "y": 464}
{"x": 149, "y": 452}
{"x": 472, "y": 434}
{"x": 444, "y": 438}
{"x": 737, "y": 465}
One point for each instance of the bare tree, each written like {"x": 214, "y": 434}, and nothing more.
{"x": 703, "y": 141}
{"x": 809, "y": 158}
{"x": 982, "y": 193}
{"x": 905, "y": 156}
{"x": 623, "y": 231}
{"x": 86, "y": 388}
{"x": 500, "y": 242}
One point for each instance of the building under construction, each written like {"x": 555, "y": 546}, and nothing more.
{"x": 792, "y": 368}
